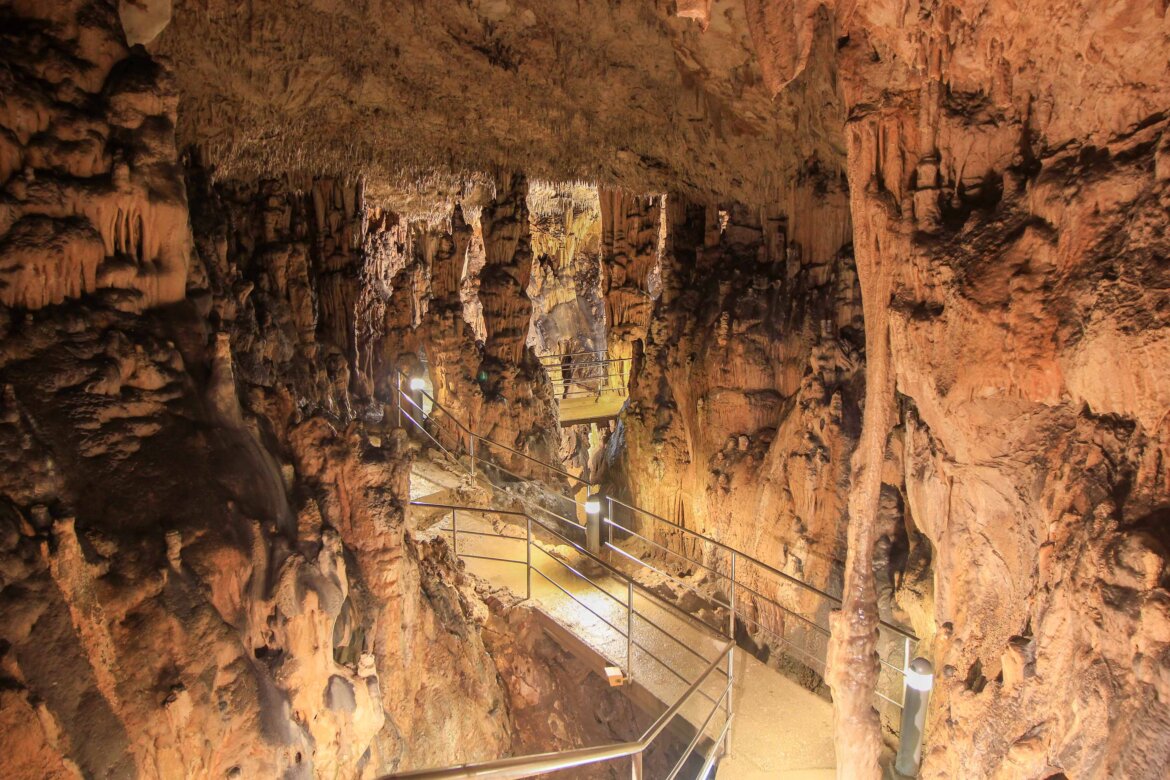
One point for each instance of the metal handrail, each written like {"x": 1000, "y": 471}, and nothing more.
{"x": 472, "y": 434}
{"x": 894, "y": 628}
{"x": 642, "y": 590}
{"x": 525, "y": 766}
{"x": 579, "y": 363}
{"x": 735, "y": 555}
{"x": 559, "y": 355}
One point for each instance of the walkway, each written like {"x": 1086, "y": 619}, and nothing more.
{"x": 780, "y": 729}
{"x": 588, "y": 386}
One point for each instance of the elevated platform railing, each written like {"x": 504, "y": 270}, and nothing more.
{"x": 590, "y": 374}
{"x": 712, "y": 670}
{"x": 802, "y": 633}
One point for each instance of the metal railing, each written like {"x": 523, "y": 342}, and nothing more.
{"x": 525, "y": 766}
{"x": 803, "y": 634}
{"x": 586, "y": 374}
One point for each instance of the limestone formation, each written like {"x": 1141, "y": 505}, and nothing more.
{"x": 891, "y": 275}
{"x": 630, "y": 237}
{"x": 94, "y": 199}
{"x": 449, "y": 340}
{"x": 517, "y": 408}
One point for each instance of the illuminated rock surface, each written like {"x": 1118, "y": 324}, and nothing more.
{"x": 892, "y": 276}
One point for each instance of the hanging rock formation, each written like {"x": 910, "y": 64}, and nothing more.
{"x": 745, "y": 411}
{"x": 448, "y": 338}
{"x": 565, "y": 288}
{"x": 1002, "y": 189}
{"x": 629, "y": 237}
{"x": 517, "y": 408}
{"x": 908, "y": 345}
{"x": 94, "y": 201}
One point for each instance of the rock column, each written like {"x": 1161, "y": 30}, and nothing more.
{"x": 630, "y": 227}
{"x": 517, "y": 408}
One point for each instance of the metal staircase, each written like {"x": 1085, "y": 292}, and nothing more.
{"x": 631, "y": 612}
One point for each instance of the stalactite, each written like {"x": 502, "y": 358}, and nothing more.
{"x": 629, "y": 240}
{"x": 446, "y": 336}
{"x": 517, "y": 407}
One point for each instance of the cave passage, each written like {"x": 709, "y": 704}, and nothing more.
{"x": 704, "y": 389}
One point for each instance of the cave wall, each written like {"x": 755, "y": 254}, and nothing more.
{"x": 568, "y": 311}
{"x": 205, "y": 563}
{"x": 1007, "y": 171}
{"x": 912, "y": 316}
{"x": 624, "y": 93}
{"x": 517, "y": 408}
{"x": 744, "y": 410}
{"x": 630, "y": 235}
{"x": 88, "y": 160}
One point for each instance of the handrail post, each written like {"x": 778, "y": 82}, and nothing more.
{"x": 919, "y": 676}
{"x": 731, "y": 652}
{"x": 609, "y": 501}
{"x": 399, "y": 399}
{"x": 471, "y": 450}
{"x": 636, "y": 766}
{"x": 454, "y": 536}
{"x": 528, "y": 558}
{"x": 731, "y": 602}
{"x": 905, "y": 663}
{"x": 593, "y": 520}
{"x": 629, "y": 631}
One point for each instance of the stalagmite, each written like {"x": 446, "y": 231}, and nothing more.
{"x": 517, "y": 408}
{"x": 448, "y": 339}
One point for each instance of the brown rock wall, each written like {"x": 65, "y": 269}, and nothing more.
{"x": 745, "y": 411}
{"x": 94, "y": 202}
{"x": 1003, "y": 187}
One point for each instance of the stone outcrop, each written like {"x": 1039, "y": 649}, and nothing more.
{"x": 565, "y": 287}
{"x": 630, "y": 232}
{"x": 517, "y": 409}
{"x": 635, "y": 95}
{"x": 1002, "y": 189}
{"x": 448, "y": 338}
{"x": 203, "y": 548}
{"x": 908, "y": 345}
{"x": 744, "y": 411}
{"x": 93, "y": 193}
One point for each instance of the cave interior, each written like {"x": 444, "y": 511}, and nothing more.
{"x": 585, "y": 388}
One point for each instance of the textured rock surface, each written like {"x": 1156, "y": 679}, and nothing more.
{"x": 517, "y": 409}
{"x": 1004, "y": 171}
{"x": 630, "y": 232}
{"x": 909, "y": 346}
{"x": 745, "y": 408}
{"x": 93, "y": 193}
{"x": 625, "y": 93}
{"x": 568, "y": 314}
{"x": 204, "y": 562}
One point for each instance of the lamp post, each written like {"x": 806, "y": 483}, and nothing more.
{"x": 919, "y": 681}
{"x": 417, "y": 385}
{"x": 593, "y": 521}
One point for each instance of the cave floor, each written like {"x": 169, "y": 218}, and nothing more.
{"x": 781, "y": 729}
